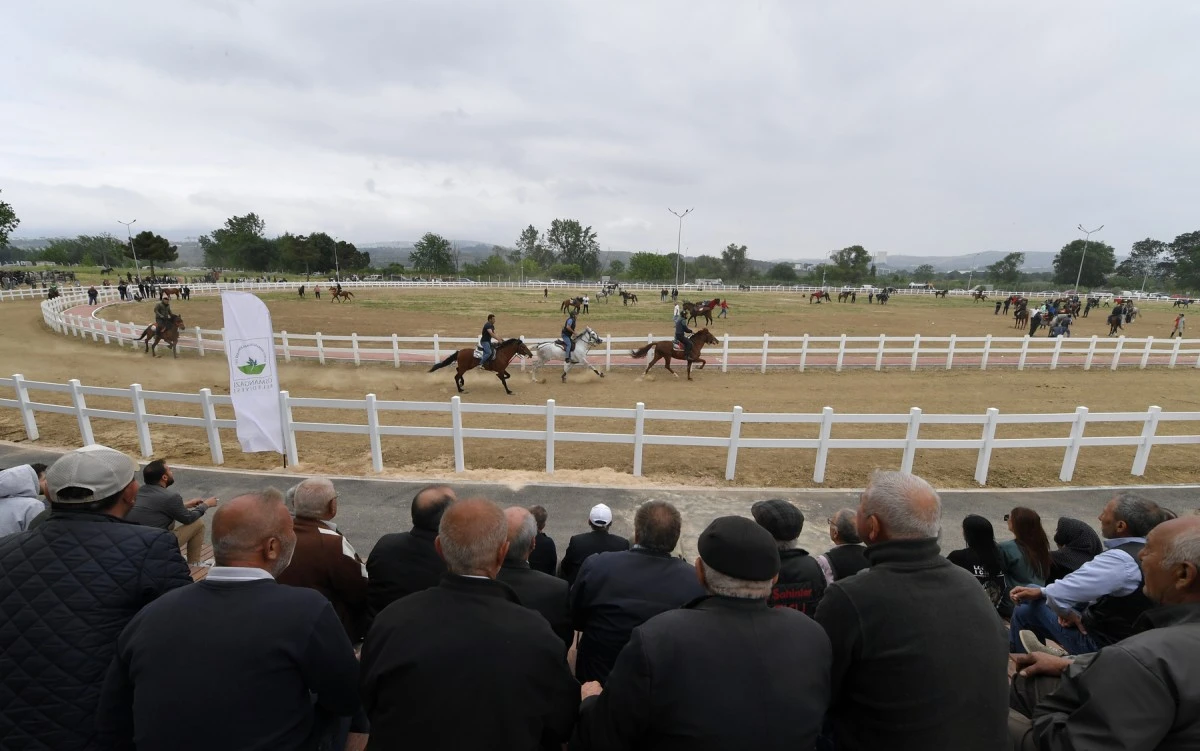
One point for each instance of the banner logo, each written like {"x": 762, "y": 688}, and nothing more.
{"x": 250, "y": 358}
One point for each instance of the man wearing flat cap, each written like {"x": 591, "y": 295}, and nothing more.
{"x": 725, "y": 671}
{"x": 801, "y": 582}
{"x": 67, "y": 589}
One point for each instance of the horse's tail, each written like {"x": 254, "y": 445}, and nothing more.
{"x": 638, "y": 354}
{"x": 145, "y": 334}
{"x": 453, "y": 356}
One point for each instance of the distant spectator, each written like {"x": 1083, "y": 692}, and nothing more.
{"x": 801, "y": 582}
{"x": 463, "y": 665}
{"x": 405, "y": 562}
{"x": 848, "y": 554}
{"x": 537, "y": 591}
{"x": 599, "y": 540}
{"x": 275, "y": 668}
{"x": 325, "y": 560}
{"x": 617, "y": 592}
{"x": 67, "y": 589}
{"x": 1077, "y": 544}
{"x": 981, "y": 558}
{"x": 725, "y": 671}
{"x": 158, "y": 507}
{"x": 545, "y": 554}
{"x": 919, "y": 660}
{"x": 1026, "y": 559}
{"x": 19, "y": 502}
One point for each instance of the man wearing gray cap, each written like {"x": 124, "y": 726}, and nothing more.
{"x": 67, "y": 589}
{"x": 725, "y": 671}
{"x": 800, "y": 583}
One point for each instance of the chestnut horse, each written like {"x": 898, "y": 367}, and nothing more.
{"x": 466, "y": 360}
{"x": 701, "y": 309}
{"x": 1021, "y": 318}
{"x": 170, "y": 335}
{"x": 665, "y": 350}
{"x": 341, "y": 295}
{"x": 166, "y": 293}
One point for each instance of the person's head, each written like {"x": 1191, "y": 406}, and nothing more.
{"x": 158, "y": 473}
{"x": 522, "y": 533}
{"x": 254, "y": 530}
{"x": 656, "y": 526}
{"x": 315, "y": 498}
{"x": 539, "y": 516}
{"x": 738, "y": 558}
{"x": 491, "y": 317}
{"x": 898, "y": 506}
{"x": 40, "y": 470}
{"x": 94, "y": 478}
{"x": 1026, "y": 526}
{"x": 978, "y": 533}
{"x": 1171, "y": 562}
{"x": 600, "y": 517}
{"x": 781, "y": 518}
{"x": 429, "y": 504}
{"x": 843, "y": 527}
{"x": 1129, "y": 515}
{"x": 473, "y": 538}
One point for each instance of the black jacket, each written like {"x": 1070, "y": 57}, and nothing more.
{"x": 265, "y": 649}
{"x": 919, "y": 657}
{"x": 67, "y": 589}
{"x": 464, "y": 666}
{"x": 541, "y": 592}
{"x": 583, "y": 545}
{"x": 544, "y": 557}
{"x": 402, "y": 563}
{"x": 846, "y": 560}
{"x": 617, "y": 592}
{"x": 801, "y": 582}
{"x": 719, "y": 674}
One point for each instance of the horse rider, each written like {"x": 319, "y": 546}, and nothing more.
{"x": 485, "y": 339}
{"x": 568, "y": 335}
{"x": 681, "y": 329}
{"x": 163, "y": 314}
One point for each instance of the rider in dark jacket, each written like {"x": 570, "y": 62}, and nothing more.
{"x": 681, "y": 329}
{"x": 162, "y": 314}
{"x": 485, "y": 338}
{"x": 568, "y": 336}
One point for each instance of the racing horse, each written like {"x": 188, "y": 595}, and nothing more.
{"x": 547, "y": 351}
{"x": 341, "y": 295}
{"x": 571, "y": 303}
{"x": 166, "y": 293}
{"x": 665, "y": 350}
{"x": 468, "y": 359}
{"x": 170, "y": 335}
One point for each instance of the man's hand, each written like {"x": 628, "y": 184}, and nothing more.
{"x": 1040, "y": 663}
{"x": 1023, "y": 594}
{"x": 1072, "y": 619}
{"x": 591, "y": 688}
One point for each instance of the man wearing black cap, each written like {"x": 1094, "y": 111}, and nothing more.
{"x": 800, "y": 583}
{"x": 726, "y": 671}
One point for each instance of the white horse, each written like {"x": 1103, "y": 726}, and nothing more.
{"x": 547, "y": 351}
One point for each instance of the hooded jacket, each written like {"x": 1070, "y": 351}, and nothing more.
{"x": 19, "y": 501}
{"x": 1078, "y": 543}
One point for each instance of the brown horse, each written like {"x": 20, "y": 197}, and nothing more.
{"x": 702, "y": 309}
{"x": 342, "y": 295}
{"x": 466, "y": 360}
{"x": 170, "y": 335}
{"x": 665, "y": 350}
{"x": 167, "y": 293}
{"x": 844, "y": 295}
{"x": 978, "y": 295}
{"x": 940, "y": 292}
{"x": 1021, "y": 318}
{"x": 1114, "y": 324}
{"x": 818, "y": 297}
{"x": 571, "y": 303}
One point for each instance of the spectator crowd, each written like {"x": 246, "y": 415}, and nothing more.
{"x": 468, "y": 631}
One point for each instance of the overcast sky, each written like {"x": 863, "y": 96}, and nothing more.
{"x": 795, "y": 127}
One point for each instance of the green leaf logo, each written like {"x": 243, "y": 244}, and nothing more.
{"x": 252, "y": 368}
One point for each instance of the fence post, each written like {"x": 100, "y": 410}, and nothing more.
{"x": 287, "y": 347}
{"x": 373, "y": 432}
{"x": 1146, "y": 353}
{"x": 31, "y": 429}
{"x": 85, "y": 423}
{"x": 950, "y": 351}
{"x": 1147, "y": 442}
{"x": 1117, "y": 352}
{"x": 725, "y": 352}
{"x": 320, "y": 348}
{"x": 289, "y": 433}
{"x": 456, "y": 433}
{"x": 987, "y": 350}
{"x": 210, "y": 426}
{"x": 910, "y": 439}
{"x": 823, "y": 444}
{"x": 1072, "y": 454}
{"x": 766, "y": 338}
{"x": 916, "y": 350}
{"x": 549, "y": 436}
{"x": 735, "y": 432}
{"x": 639, "y": 431}
{"x": 437, "y": 353}
{"x": 607, "y": 352}
{"x": 1175, "y": 352}
{"x": 803, "y": 352}
{"x": 91, "y": 324}
{"x": 879, "y": 353}
{"x": 1058, "y": 340}
{"x": 104, "y": 330}
{"x": 985, "y": 451}
{"x": 1091, "y": 353}
{"x": 354, "y": 347}
{"x": 395, "y": 350}
{"x": 1024, "y": 352}
{"x": 225, "y": 342}
{"x": 841, "y": 356}
{"x": 139, "y": 419}
{"x": 200, "y": 341}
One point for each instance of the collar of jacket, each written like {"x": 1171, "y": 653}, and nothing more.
{"x": 792, "y": 553}
{"x": 648, "y": 551}
{"x": 905, "y": 554}
{"x": 1169, "y": 615}
{"x": 84, "y": 516}
{"x": 424, "y": 534}
{"x": 515, "y": 564}
{"x": 479, "y": 587}
{"x": 719, "y": 602}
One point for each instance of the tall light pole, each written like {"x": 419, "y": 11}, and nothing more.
{"x": 129, "y": 234}
{"x": 679, "y": 238}
{"x": 1087, "y": 236}
{"x": 971, "y": 276}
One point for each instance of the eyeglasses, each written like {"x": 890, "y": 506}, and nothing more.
{"x": 1006, "y": 517}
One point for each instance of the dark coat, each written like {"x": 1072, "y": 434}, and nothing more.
{"x": 801, "y": 582}
{"x": 464, "y": 666}
{"x": 541, "y": 592}
{"x": 583, "y": 545}
{"x": 544, "y": 557}
{"x": 326, "y": 562}
{"x": 719, "y": 674}
{"x": 919, "y": 656}
{"x": 67, "y": 589}
{"x": 617, "y": 592}
{"x": 402, "y": 563}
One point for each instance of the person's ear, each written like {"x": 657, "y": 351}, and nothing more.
{"x": 1186, "y": 576}
{"x": 272, "y": 548}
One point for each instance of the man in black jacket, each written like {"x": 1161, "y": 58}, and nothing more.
{"x": 405, "y": 562}
{"x": 725, "y": 671}
{"x": 268, "y": 649}
{"x": 463, "y": 665}
{"x": 537, "y": 591}
{"x": 545, "y": 554}
{"x": 800, "y": 583}
{"x": 599, "y": 540}
{"x": 848, "y": 555}
{"x": 919, "y": 657}
{"x": 617, "y": 592}
{"x": 67, "y": 588}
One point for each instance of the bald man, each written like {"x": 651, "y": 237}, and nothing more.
{"x": 272, "y": 663}
{"x": 463, "y": 664}
{"x": 1143, "y": 691}
{"x": 405, "y": 562}
{"x": 536, "y": 590}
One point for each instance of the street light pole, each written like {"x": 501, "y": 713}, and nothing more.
{"x": 679, "y": 238}
{"x": 129, "y": 234}
{"x": 971, "y": 276}
{"x": 1086, "y": 238}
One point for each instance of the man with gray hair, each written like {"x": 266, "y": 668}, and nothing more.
{"x": 848, "y": 554}
{"x": 538, "y": 591}
{"x": 919, "y": 656}
{"x": 463, "y": 664}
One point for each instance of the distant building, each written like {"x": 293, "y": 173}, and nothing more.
{"x": 879, "y": 258}
{"x": 802, "y": 267}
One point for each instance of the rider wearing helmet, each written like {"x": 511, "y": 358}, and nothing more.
{"x": 568, "y": 334}
{"x": 163, "y": 314}
{"x": 681, "y": 329}
{"x": 485, "y": 339}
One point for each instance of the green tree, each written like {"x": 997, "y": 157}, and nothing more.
{"x": 1099, "y": 261}
{"x": 734, "y": 259}
{"x": 238, "y": 244}
{"x": 782, "y": 272}
{"x": 573, "y": 243}
{"x": 1006, "y": 271}
{"x": 1184, "y": 260}
{"x": 924, "y": 272}
{"x": 650, "y": 267}
{"x": 432, "y": 255}
{"x": 152, "y": 248}
{"x": 616, "y": 268}
{"x": 707, "y": 267}
{"x": 8, "y": 222}
{"x": 1145, "y": 260}
{"x": 530, "y": 247}
{"x": 852, "y": 264}
{"x": 103, "y": 248}
{"x": 566, "y": 272}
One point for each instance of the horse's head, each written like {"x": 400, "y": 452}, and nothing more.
{"x": 704, "y": 336}
{"x": 590, "y": 336}
{"x": 177, "y": 320}
{"x": 522, "y": 350}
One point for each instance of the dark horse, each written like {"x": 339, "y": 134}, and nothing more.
{"x": 466, "y": 360}
{"x": 170, "y": 335}
{"x": 701, "y": 309}
{"x": 665, "y": 350}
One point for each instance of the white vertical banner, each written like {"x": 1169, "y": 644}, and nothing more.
{"x": 253, "y": 377}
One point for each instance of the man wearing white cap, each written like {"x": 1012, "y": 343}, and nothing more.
{"x": 599, "y": 540}
{"x": 67, "y": 589}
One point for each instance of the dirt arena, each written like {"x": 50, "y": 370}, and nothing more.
{"x": 28, "y": 347}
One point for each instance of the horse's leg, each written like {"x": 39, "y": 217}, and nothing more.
{"x": 700, "y": 366}
{"x": 460, "y": 381}
{"x": 667, "y": 365}
{"x": 651, "y": 363}
{"x": 589, "y": 365}
{"x": 537, "y": 363}
{"x": 689, "y": 370}
{"x": 503, "y": 376}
